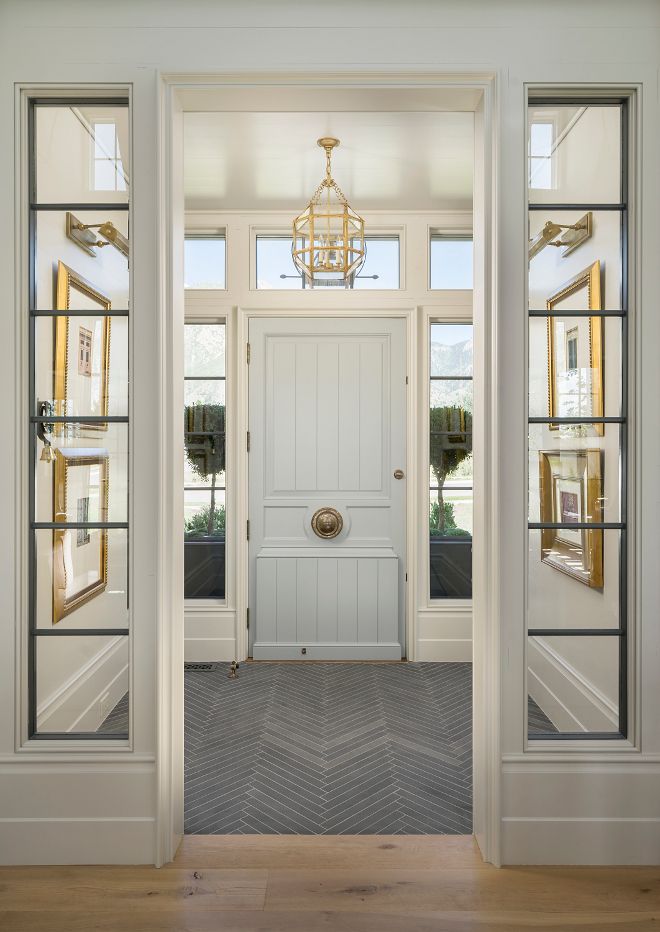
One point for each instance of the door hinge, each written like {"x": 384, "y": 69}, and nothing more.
{"x": 247, "y": 353}
{"x": 247, "y": 618}
{"x": 248, "y": 442}
{"x": 247, "y": 529}
{"x": 406, "y": 380}
{"x": 406, "y": 577}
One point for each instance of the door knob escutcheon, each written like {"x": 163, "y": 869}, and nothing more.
{"x": 327, "y": 523}
{"x": 399, "y": 473}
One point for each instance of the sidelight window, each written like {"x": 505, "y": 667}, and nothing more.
{"x": 450, "y": 466}
{"x": 204, "y": 461}
{"x": 79, "y": 617}
{"x": 205, "y": 261}
{"x": 577, "y": 618}
{"x": 451, "y": 262}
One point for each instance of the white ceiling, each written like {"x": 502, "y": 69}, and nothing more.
{"x": 386, "y": 161}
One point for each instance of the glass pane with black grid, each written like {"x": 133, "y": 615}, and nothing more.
{"x": 79, "y": 620}
{"x": 577, "y": 525}
{"x": 450, "y": 461}
{"x": 204, "y": 461}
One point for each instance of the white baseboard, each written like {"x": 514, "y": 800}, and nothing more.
{"x": 85, "y": 699}
{"x": 444, "y": 634}
{"x": 77, "y": 841}
{"x": 569, "y": 700}
{"x": 209, "y": 633}
{"x": 444, "y": 650}
{"x": 580, "y": 841}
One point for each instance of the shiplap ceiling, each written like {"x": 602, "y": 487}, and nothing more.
{"x": 386, "y": 161}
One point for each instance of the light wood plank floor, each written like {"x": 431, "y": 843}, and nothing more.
{"x": 335, "y": 884}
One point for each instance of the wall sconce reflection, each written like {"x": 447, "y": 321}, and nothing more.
{"x": 575, "y": 234}
{"x": 83, "y": 234}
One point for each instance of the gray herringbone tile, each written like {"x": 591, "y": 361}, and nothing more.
{"x": 329, "y": 748}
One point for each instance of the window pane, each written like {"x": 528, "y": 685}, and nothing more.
{"x": 81, "y": 154}
{"x": 455, "y": 393}
{"x": 204, "y": 460}
{"x": 575, "y": 367}
{"x": 69, "y": 277}
{"x": 81, "y": 578}
{"x": 575, "y": 154}
{"x": 204, "y": 392}
{"x": 204, "y": 262}
{"x": 451, "y": 262}
{"x": 67, "y": 701}
{"x": 450, "y": 563}
{"x": 451, "y": 349}
{"x": 573, "y": 578}
{"x": 81, "y": 365}
{"x": 204, "y": 512}
{"x": 81, "y": 472}
{"x": 275, "y": 268}
{"x": 574, "y": 473}
{"x": 382, "y": 261}
{"x": 563, "y": 281}
{"x": 204, "y": 350}
{"x": 204, "y": 568}
{"x": 573, "y": 685}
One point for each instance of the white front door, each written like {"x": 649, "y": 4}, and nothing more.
{"x": 327, "y": 420}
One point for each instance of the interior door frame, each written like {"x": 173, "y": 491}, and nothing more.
{"x": 487, "y": 624}
{"x": 241, "y": 504}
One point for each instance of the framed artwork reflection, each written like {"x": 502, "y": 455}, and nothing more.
{"x": 575, "y": 350}
{"x": 81, "y": 367}
{"x": 80, "y": 555}
{"x": 571, "y": 492}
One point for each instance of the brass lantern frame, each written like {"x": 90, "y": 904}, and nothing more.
{"x": 338, "y": 259}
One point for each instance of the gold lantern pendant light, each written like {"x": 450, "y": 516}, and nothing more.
{"x": 328, "y": 236}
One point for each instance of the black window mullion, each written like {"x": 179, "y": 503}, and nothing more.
{"x": 622, "y": 421}
{"x": 34, "y": 207}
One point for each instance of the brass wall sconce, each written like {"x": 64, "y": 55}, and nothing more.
{"x": 83, "y": 234}
{"x": 575, "y": 235}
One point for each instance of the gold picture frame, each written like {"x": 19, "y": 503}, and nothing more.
{"x": 83, "y": 383}
{"x": 577, "y": 391}
{"x": 79, "y": 573}
{"x": 571, "y": 492}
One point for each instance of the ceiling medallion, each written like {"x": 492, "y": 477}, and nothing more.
{"x": 328, "y": 236}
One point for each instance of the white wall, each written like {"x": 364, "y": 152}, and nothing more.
{"x": 585, "y": 805}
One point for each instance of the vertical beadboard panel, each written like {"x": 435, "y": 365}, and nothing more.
{"x": 286, "y": 599}
{"x": 267, "y": 599}
{"x": 306, "y": 619}
{"x": 306, "y": 376}
{"x": 327, "y": 599}
{"x": 388, "y": 608}
{"x": 347, "y": 606}
{"x": 327, "y": 423}
{"x": 349, "y": 417}
{"x": 367, "y": 601}
{"x": 371, "y": 416}
{"x": 281, "y": 426}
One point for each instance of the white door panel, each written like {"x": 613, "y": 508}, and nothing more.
{"x": 327, "y": 429}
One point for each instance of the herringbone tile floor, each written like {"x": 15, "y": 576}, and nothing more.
{"x": 329, "y": 748}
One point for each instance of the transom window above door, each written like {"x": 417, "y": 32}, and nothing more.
{"x": 275, "y": 268}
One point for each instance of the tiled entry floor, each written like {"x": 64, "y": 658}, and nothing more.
{"x": 329, "y": 748}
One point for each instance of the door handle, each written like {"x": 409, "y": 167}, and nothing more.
{"x": 399, "y": 474}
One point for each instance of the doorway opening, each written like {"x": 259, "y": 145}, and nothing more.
{"x": 328, "y": 458}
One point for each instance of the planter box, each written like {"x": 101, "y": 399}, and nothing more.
{"x": 204, "y": 568}
{"x": 451, "y": 568}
